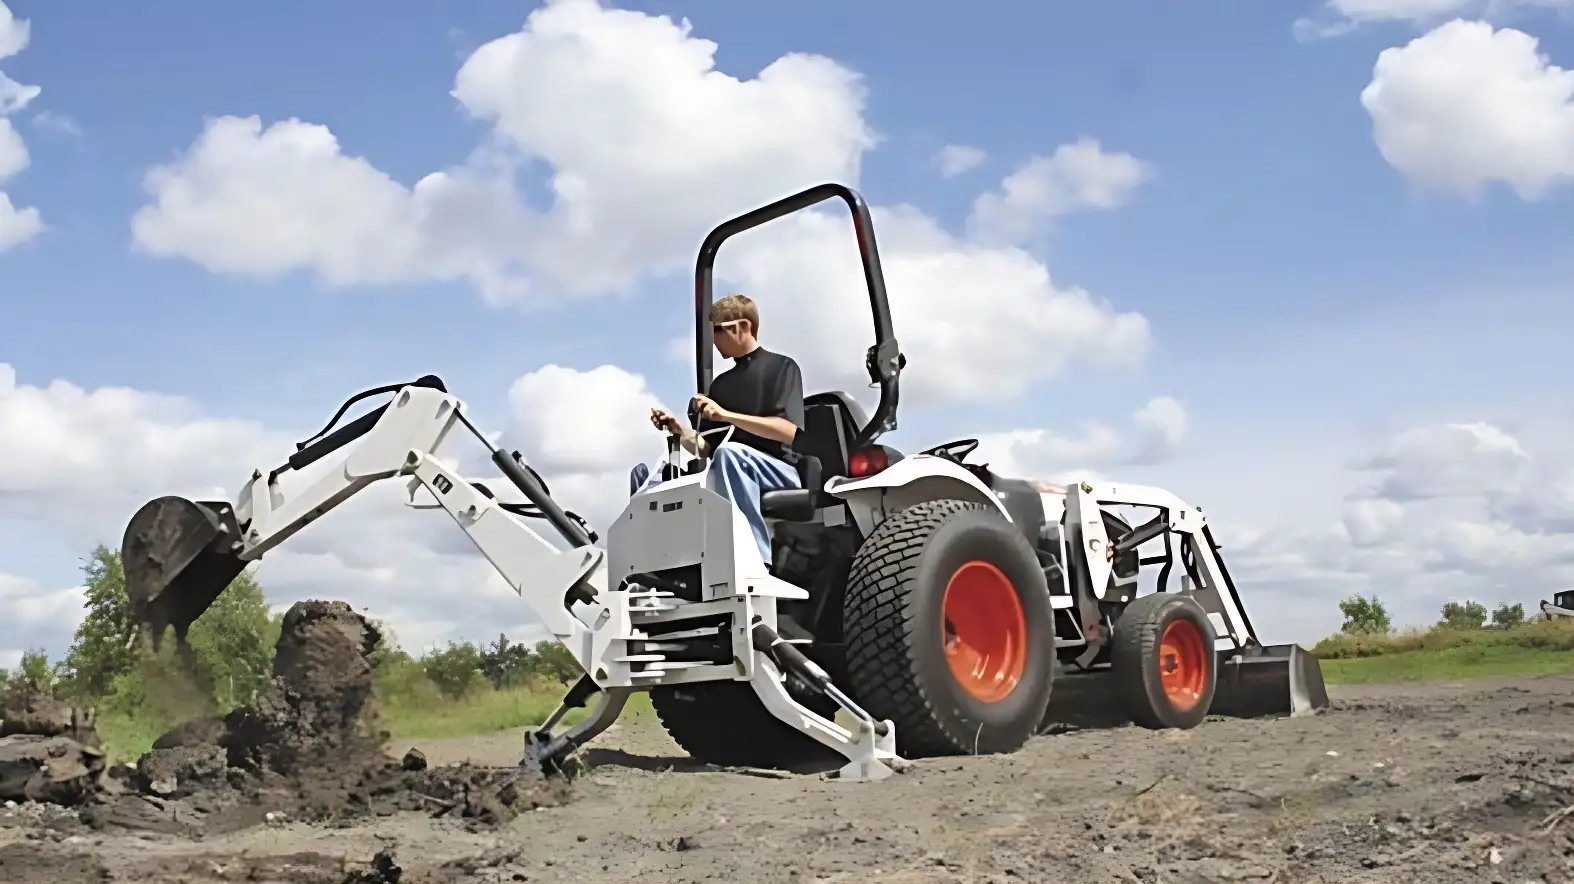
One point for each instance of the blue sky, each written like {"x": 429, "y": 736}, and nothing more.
{"x": 1305, "y": 298}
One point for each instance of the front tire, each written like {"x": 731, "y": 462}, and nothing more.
{"x": 1163, "y": 660}
{"x": 949, "y": 629}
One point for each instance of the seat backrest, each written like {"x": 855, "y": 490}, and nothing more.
{"x": 825, "y": 438}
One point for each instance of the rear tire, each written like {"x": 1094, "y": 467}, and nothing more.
{"x": 949, "y": 630}
{"x": 724, "y": 723}
{"x": 1164, "y": 664}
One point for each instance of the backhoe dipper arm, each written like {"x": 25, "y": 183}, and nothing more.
{"x": 399, "y": 442}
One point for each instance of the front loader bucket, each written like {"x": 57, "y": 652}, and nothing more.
{"x": 178, "y": 556}
{"x": 1273, "y": 680}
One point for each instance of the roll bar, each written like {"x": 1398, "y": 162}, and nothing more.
{"x": 884, "y": 360}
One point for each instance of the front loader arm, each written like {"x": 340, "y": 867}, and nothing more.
{"x": 179, "y": 555}
{"x": 1199, "y": 551}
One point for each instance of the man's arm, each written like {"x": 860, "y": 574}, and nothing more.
{"x": 777, "y": 429}
{"x": 693, "y": 442}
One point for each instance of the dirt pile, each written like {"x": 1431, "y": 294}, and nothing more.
{"x": 49, "y": 750}
{"x": 306, "y": 749}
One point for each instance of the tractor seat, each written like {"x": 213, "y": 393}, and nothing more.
{"x": 795, "y": 504}
{"x": 822, "y": 451}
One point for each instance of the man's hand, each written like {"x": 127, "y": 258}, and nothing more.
{"x": 662, "y": 419}
{"x": 709, "y": 409}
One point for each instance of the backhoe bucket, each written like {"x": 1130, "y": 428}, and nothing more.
{"x": 1273, "y": 680}
{"x": 178, "y": 556}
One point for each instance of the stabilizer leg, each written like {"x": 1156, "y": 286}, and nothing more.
{"x": 870, "y": 750}
{"x": 545, "y": 753}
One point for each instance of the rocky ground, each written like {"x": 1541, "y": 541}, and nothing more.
{"x": 1442, "y": 782}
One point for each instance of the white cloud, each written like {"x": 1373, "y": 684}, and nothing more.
{"x": 1162, "y": 426}
{"x": 977, "y": 323}
{"x": 647, "y": 147}
{"x": 1078, "y": 176}
{"x": 1450, "y": 511}
{"x": 36, "y": 617}
{"x": 72, "y": 452}
{"x": 13, "y": 151}
{"x": 14, "y": 33}
{"x": 57, "y": 123}
{"x": 14, "y": 96}
{"x": 1448, "y": 460}
{"x": 1045, "y": 454}
{"x": 1466, "y": 105}
{"x": 1339, "y": 17}
{"x": 17, "y": 225}
{"x": 955, "y": 159}
{"x": 1371, "y": 521}
{"x": 646, "y": 143}
{"x": 586, "y": 430}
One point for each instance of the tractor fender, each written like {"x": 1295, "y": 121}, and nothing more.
{"x": 911, "y": 480}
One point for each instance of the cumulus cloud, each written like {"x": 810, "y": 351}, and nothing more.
{"x": 1448, "y": 460}
{"x": 81, "y": 458}
{"x": 976, "y": 323}
{"x": 17, "y": 224}
{"x": 1039, "y": 453}
{"x": 586, "y": 430}
{"x": 14, "y": 32}
{"x": 36, "y": 617}
{"x": 1466, "y": 105}
{"x": 1436, "y": 512}
{"x": 647, "y": 145}
{"x": 1077, "y": 177}
{"x": 955, "y": 159}
{"x": 1339, "y": 17}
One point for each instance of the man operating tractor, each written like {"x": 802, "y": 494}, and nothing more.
{"x": 761, "y": 396}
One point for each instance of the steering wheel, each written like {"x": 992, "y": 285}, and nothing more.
{"x": 956, "y": 451}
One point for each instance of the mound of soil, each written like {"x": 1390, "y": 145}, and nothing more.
{"x": 307, "y": 749}
{"x": 49, "y": 750}
{"x": 315, "y": 713}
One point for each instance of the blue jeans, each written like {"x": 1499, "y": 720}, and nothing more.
{"x": 744, "y": 474}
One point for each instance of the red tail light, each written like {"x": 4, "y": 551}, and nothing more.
{"x": 868, "y": 462}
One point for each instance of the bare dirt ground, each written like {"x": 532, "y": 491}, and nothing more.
{"x": 1458, "y": 781}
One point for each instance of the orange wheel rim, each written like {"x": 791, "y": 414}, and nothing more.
{"x": 985, "y": 632}
{"x": 1183, "y": 664}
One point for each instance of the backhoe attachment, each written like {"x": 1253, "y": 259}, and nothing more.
{"x": 691, "y": 603}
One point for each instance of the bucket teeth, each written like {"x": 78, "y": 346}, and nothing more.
{"x": 178, "y": 556}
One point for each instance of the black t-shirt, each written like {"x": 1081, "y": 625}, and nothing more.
{"x": 763, "y": 384}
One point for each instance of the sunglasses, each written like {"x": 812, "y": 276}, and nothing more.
{"x": 719, "y": 327}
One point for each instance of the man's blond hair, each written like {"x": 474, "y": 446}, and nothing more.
{"x": 734, "y": 307}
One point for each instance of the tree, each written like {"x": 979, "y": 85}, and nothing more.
{"x": 1363, "y": 616}
{"x": 506, "y": 664}
{"x": 232, "y": 642}
{"x": 1469, "y": 615}
{"x": 1508, "y": 616}
{"x": 455, "y": 670}
{"x": 554, "y": 661}
{"x": 105, "y": 641}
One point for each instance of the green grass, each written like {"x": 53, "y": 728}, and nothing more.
{"x": 409, "y": 709}
{"x": 483, "y": 712}
{"x": 1472, "y": 661}
{"x": 1537, "y": 647}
